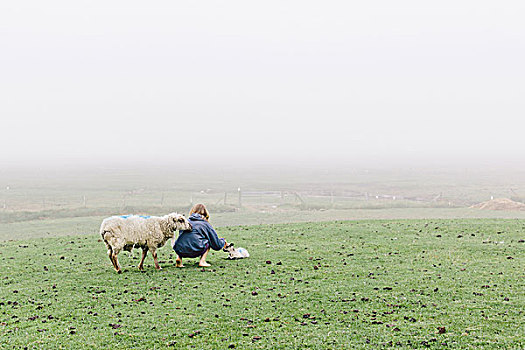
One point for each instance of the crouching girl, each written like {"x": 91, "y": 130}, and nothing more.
{"x": 197, "y": 241}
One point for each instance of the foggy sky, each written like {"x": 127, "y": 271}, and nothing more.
{"x": 242, "y": 80}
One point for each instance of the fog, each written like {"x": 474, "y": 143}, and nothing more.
{"x": 278, "y": 82}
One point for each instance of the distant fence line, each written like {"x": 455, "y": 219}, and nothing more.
{"x": 154, "y": 198}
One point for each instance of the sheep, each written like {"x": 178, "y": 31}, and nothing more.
{"x": 236, "y": 253}
{"x": 133, "y": 231}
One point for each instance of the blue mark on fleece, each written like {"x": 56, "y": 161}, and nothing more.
{"x": 140, "y": 216}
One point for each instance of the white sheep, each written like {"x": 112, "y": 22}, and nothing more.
{"x": 135, "y": 231}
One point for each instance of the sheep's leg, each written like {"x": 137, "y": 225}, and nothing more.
{"x": 144, "y": 253}
{"x": 154, "y": 253}
{"x": 110, "y": 254}
{"x": 115, "y": 261}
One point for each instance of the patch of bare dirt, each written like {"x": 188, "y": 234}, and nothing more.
{"x": 499, "y": 204}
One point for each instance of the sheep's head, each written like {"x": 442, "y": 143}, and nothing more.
{"x": 228, "y": 248}
{"x": 179, "y": 222}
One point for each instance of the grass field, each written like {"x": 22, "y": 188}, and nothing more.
{"x": 438, "y": 284}
{"x": 85, "y": 225}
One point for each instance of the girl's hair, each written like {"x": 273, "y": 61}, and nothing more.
{"x": 200, "y": 209}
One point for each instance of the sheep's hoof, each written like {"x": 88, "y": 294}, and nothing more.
{"x": 158, "y": 267}
{"x": 119, "y": 271}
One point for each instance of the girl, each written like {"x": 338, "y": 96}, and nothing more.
{"x": 197, "y": 241}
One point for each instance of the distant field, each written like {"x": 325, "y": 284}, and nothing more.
{"x": 54, "y": 194}
{"x": 53, "y": 227}
{"x": 438, "y": 284}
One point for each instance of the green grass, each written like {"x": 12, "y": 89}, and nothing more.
{"x": 352, "y": 284}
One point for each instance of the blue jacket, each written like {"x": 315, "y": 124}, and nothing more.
{"x": 201, "y": 237}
